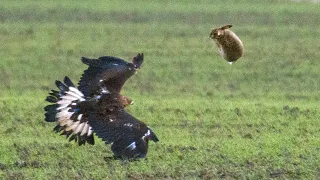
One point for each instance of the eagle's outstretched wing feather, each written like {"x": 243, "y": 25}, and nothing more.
{"x": 71, "y": 124}
{"x": 128, "y": 135}
{"x": 107, "y": 71}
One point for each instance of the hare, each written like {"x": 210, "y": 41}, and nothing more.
{"x": 229, "y": 44}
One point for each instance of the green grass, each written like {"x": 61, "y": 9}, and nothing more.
{"x": 256, "y": 119}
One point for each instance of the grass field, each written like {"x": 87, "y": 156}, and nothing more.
{"x": 256, "y": 119}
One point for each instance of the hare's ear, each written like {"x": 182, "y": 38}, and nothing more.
{"x": 226, "y": 26}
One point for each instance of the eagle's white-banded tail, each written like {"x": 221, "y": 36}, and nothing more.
{"x": 71, "y": 123}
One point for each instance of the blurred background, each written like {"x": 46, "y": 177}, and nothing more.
{"x": 44, "y": 40}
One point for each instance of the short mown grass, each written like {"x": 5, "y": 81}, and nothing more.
{"x": 256, "y": 119}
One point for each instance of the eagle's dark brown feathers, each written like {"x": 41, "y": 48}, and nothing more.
{"x": 97, "y": 106}
{"x": 107, "y": 71}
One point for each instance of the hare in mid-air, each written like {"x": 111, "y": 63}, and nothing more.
{"x": 229, "y": 44}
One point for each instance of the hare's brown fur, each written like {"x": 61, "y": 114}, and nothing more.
{"x": 229, "y": 44}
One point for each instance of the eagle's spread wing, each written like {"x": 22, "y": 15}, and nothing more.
{"x": 97, "y": 106}
{"x": 72, "y": 124}
{"x": 129, "y": 136}
{"x": 107, "y": 71}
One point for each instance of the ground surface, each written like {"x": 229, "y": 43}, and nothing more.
{"x": 256, "y": 119}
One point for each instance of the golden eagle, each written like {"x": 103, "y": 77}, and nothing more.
{"x": 96, "y": 105}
